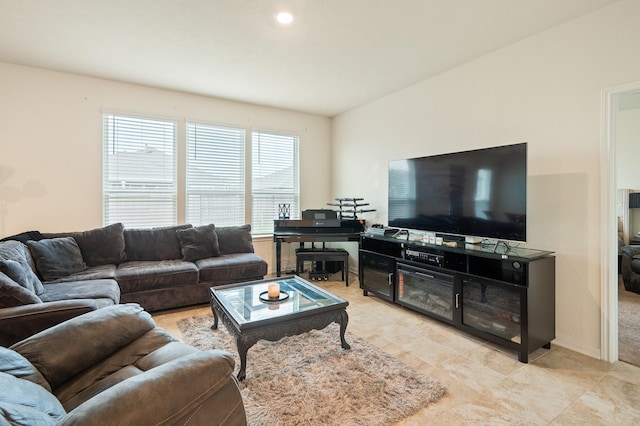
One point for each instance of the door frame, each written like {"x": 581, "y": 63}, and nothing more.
{"x": 608, "y": 230}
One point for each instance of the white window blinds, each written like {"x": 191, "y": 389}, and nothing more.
{"x": 275, "y": 178}
{"x": 215, "y": 175}
{"x": 139, "y": 171}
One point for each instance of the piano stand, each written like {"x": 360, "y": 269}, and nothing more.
{"x": 322, "y": 255}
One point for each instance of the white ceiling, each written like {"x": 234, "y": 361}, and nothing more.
{"x": 336, "y": 55}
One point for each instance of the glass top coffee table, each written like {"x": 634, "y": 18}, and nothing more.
{"x": 250, "y": 315}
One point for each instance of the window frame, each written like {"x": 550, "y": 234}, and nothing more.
{"x": 294, "y": 202}
{"x": 180, "y": 184}
{"x": 213, "y": 142}
{"x": 133, "y": 188}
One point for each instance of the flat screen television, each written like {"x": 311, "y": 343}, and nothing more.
{"x": 479, "y": 193}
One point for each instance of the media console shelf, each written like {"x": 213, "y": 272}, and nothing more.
{"x": 501, "y": 294}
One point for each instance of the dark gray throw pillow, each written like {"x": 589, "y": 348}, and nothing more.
{"x": 22, "y": 274}
{"x": 198, "y": 243}
{"x": 235, "y": 239}
{"x": 11, "y": 362}
{"x": 13, "y": 294}
{"x": 99, "y": 246}
{"x": 153, "y": 243}
{"x": 27, "y": 403}
{"x": 57, "y": 257}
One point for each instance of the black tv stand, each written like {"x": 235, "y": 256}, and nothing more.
{"x": 500, "y": 243}
{"x": 501, "y": 293}
{"x": 401, "y": 234}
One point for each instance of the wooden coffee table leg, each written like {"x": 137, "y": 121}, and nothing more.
{"x": 242, "y": 351}
{"x": 344, "y": 320}
{"x": 215, "y": 315}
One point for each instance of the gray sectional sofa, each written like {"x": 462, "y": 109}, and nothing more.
{"x": 46, "y": 278}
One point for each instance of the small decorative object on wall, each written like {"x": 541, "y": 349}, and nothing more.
{"x": 284, "y": 211}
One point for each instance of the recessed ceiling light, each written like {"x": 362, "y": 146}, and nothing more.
{"x": 285, "y": 18}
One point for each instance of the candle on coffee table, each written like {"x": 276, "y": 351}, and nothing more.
{"x": 274, "y": 291}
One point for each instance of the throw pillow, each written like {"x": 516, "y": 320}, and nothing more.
{"x": 235, "y": 239}
{"x": 26, "y": 403}
{"x": 22, "y": 274}
{"x": 57, "y": 257}
{"x": 13, "y": 294}
{"x": 153, "y": 243}
{"x": 11, "y": 362}
{"x": 100, "y": 246}
{"x": 198, "y": 243}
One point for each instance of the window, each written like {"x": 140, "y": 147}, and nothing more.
{"x": 140, "y": 174}
{"x": 215, "y": 188}
{"x": 139, "y": 171}
{"x": 274, "y": 171}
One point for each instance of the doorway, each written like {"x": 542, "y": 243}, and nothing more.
{"x": 615, "y": 101}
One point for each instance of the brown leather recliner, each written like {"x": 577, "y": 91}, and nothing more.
{"x": 113, "y": 366}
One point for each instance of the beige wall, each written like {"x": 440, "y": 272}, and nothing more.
{"x": 545, "y": 90}
{"x": 51, "y": 139}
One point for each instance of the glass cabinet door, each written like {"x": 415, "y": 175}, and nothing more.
{"x": 492, "y": 307}
{"x": 377, "y": 274}
{"x": 428, "y": 291}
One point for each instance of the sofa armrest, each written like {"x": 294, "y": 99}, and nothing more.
{"x": 86, "y": 339}
{"x": 198, "y": 388}
{"x": 630, "y": 251}
{"x": 19, "y": 322}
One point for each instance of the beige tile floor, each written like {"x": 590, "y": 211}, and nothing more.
{"x": 485, "y": 384}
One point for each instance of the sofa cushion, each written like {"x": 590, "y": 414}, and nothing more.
{"x": 25, "y": 403}
{"x": 235, "y": 239}
{"x": 90, "y": 339}
{"x": 151, "y": 275}
{"x": 231, "y": 268}
{"x": 22, "y": 273}
{"x": 57, "y": 257}
{"x": 11, "y": 362}
{"x": 102, "y": 272}
{"x": 13, "y": 294}
{"x": 109, "y": 371}
{"x": 198, "y": 242}
{"x": 99, "y": 246}
{"x": 153, "y": 243}
{"x": 105, "y": 292}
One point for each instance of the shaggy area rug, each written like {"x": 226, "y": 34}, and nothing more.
{"x": 309, "y": 379}
{"x": 628, "y": 326}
